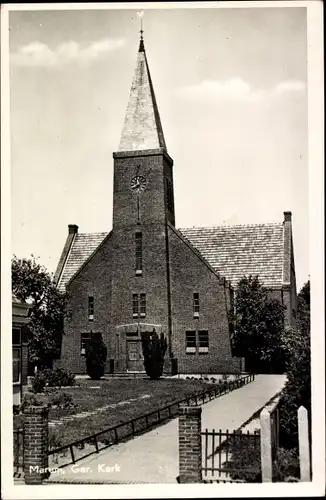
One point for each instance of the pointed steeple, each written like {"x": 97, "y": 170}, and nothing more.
{"x": 142, "y": 127}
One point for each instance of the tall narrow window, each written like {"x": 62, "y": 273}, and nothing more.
{"x": 196, "y": 305}
{"x": 139, "y": 252}
{"x": 191, "y": 342}
{"x": 135, "y": 306}
{"x": 91, "y": 308}
{"x": 169, "y": 194}
{"x": 143, "y": 305}
{"x": 203, "y": 341}
{"x": 16, "y": 336}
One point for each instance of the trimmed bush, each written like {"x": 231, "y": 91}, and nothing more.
{"x": 39, "y": 382}
{"x": 96, "y": 354}
{"x": 154, "y": 348}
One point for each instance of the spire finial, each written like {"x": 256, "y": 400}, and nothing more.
{"x": 141, "y": 46}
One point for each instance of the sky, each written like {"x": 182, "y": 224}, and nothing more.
{"x": 231, "y": 87}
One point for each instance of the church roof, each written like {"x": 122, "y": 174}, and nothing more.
{"x": 241, "y": 250}
{"x": 233, "y": 251}
{"x": 142, "y": 127}
{"x": 82, "y": 247}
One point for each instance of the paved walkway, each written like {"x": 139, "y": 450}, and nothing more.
{"x": 153, "y": 457}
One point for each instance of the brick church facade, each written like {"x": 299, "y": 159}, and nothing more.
{"x": 146, "y": 274}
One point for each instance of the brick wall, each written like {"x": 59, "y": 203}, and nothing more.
{"x": 190, "y": 449}
{"x": 35, "y": 444}
{"x": 94, "y": 279}
{"x": 188, "y": 275}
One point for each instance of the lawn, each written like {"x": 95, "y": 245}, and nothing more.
{"x": 132, "y": 398}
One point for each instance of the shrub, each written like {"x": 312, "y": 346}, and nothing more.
{"x": 245, "y": 459}
{"x": 154, "y": 348}
{"x": 96, "y": 354}
{"x": 52, "y": 378}
{"x": 31, "y": 399}
{"x": 286, "y": 466}
{"x": 39, "y": 382}
{"x": 61, "y": 399}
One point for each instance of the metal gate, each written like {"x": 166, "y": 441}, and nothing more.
{"x": 18, "y": 452}
{"x": 231, "y": 456}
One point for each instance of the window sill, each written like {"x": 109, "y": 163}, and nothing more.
{"x": 139, "y": 272}
{"x": 196, "y": 314}
{"x": 16, "y": 383}
{"x": 142, "y": 315}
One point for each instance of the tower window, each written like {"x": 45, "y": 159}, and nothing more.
{"x": 203, "y": 341}
{"x": 191, "y": 342}
{"x": 91, "y": 308}
{"x": 135, "y": 306}
{"x": 143, "y": 305}
{"x": 139, "y": 252}
{"x": 196, "y": 305}
{"x": 169, "y": 194}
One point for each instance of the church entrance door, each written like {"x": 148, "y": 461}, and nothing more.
{"x": 135, "y": 359}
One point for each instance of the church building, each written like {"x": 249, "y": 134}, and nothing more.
{"x": 146, "y": 275}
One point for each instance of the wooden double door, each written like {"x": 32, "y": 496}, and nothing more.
{"x": 135, "y": 358}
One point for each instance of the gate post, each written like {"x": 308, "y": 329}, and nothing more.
{"x": 266, "y": 446}
{"x": 35, "y": 444}
{"x": 304, "y": 451}
{"x": 190, "y": 449}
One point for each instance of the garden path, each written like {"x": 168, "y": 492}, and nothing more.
{"x": 153, "y": 457}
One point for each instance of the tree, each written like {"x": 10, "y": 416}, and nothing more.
{"x": 31, "y": 282}
{"x": 258, "y": 323}
{"x": 297, "y": 390}
{"x": 154, "y": 348}
{"x": 96, "y": 354}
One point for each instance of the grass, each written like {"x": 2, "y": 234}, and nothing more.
{"x": 148, "y": 395}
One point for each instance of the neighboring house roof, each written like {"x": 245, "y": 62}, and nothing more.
{"x": 233, "y": 251}
{"x": 238, "y": 251}
{"x": 83, "y": 245}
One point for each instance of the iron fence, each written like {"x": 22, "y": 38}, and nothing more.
{"x": 231, "y": 456}
{"x": 82, "y": 448}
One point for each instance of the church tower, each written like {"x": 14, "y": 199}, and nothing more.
{"x": 143, "y": 205}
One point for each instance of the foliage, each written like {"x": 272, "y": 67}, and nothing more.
{"x": 286, "y": 466}
{"x": 59, "y": 377}
{"x": 31, "y": 399}
{"x": 245, "y": 458}
{"x": 258, "y": 322}
{"x": 154, "y": 349}
{"x": 297, "y": 390}
{"x": 32, "y": 283}
{"x": 60, "y": 399}
{"x": 96, "y": 354}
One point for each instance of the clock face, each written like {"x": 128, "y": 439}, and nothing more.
{"x": 138, "y": 183}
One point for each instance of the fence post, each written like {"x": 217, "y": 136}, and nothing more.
{"x": 266, "y": 446}
{"x": 35, "y": 444}
{"x": 304, "y": 451}
{"x": 190, "y": 450}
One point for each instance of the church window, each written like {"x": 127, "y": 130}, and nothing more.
{"x": 135, "y": 305}
{"x": 203, "y": 341}
{"x": 139, "y": 252}
{"x": 191, "y": 342}
{"x": 169, "y": 194}
{"x": 196, "y": 305}
{"x": 91, "y": 308}
{"x": 143, "y": 305}
{"x": 84, "y": 338}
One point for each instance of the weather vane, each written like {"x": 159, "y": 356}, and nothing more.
{"x": 141, "y": 15}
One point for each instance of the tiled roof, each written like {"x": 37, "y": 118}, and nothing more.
{"x": 237, "y": 251}
{"x": 83, "y": 246}
{"x": 233, "y": 251}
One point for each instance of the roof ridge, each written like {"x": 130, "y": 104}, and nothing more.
{"x": 233, "y": 225}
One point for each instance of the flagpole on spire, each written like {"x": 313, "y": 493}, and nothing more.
{"x": 141, "y": 15}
